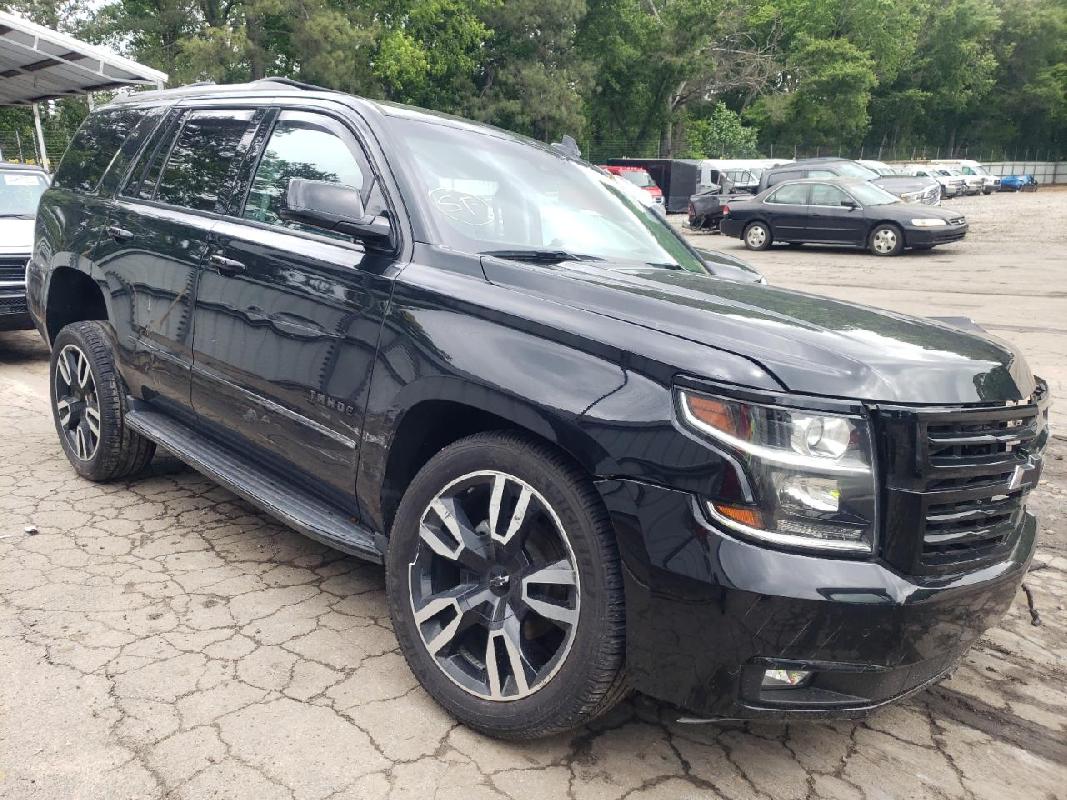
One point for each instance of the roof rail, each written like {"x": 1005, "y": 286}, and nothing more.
{"x": 311, "y": 87}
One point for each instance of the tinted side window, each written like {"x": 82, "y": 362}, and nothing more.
{"x": 823, "y": 194}
{"x": 820, "y": 173}
{"x": 795, "y": 194}
{"x": 198, "y": 167}
{"x": 94, "y": 146}
{"x": 780, "y": 177}
{"x": 307, "y": 146}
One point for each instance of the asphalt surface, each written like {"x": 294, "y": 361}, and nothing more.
{"x": 160, "y": 638}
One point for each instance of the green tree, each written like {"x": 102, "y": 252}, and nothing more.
{"x": 721, "y": 134}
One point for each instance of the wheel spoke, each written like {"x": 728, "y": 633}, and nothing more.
{"x": 64, "y": 368}
{"x": 81, "y": 447}
{"x": 512, "y": 638}
{"x": 85, "y": 372}
{"x": 462, "y": 544}
{"x": 92, "y": 419}
{"x": 560, "y": 573}
{"x": 551, "y": 611}
{"x": 63, "y": 409}
{"x": 462, "y": 600}
{"x": 518, "y": 516}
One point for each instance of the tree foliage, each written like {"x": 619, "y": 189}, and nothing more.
{"x": 633, "y": 77}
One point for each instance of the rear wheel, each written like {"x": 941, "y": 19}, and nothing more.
{"x": 505, "y": 589}
{"x": 886, "y": 240}
{"x": 89, "y": 405}
{"x": 757, "y": 236}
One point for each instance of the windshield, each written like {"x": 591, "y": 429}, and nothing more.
{"x": 870, "y": 195}
{"x": 638, "y": 177}
{"x": 856, "y": 170}
{"x": 486, "y": 193}
{"x": 20, "y": 192}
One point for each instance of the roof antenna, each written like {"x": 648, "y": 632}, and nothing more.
{"x": 567, "y": 146}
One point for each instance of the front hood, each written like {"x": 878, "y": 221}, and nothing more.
{"x": 812, "y": 345}
{"x": 16, "y": 236}
{"x": 902, "y": 184}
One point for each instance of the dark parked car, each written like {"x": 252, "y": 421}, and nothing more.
{"x": 587, "y": 465}
{"x": 21, "y": 188}
{"x": 909, "y": 188}
{"x": 839, "y": 211}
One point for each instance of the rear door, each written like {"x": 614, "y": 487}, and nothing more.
{"x": 788, "y": 212}
{"x": 156, "y": 236}
{"x": 287, "y": 316}
{"x": 833, "y": 222}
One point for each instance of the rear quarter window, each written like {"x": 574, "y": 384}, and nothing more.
{"x": 93, "y": 148}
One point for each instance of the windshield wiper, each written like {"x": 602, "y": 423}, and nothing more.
{"x": 540, "y": 256}
{"x": 16, "y": 216}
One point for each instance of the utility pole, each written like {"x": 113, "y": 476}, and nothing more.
{"x": 41, "y": 148}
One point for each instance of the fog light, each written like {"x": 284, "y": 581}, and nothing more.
{"x": 774, "y": 678}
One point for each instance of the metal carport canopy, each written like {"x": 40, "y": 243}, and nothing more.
{"x": 37, "y": 64}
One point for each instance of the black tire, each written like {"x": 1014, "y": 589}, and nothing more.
{"x": 588, "y": 678}
{"x": 114, "y": 451}
{"x": 757, "y": 236}
{"x": 886, "y": 239}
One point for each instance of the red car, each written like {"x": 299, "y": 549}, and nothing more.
{"x": 638, "y": 177}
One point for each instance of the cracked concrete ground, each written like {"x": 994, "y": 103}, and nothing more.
{"x": 160, "y": 638}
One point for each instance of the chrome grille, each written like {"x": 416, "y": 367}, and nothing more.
{"x": 957, "y": 481}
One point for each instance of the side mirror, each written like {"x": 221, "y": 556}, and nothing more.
{"x": 333, "y": 207}
{"x": 849, "y": 204}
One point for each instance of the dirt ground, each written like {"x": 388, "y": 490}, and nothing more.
{"x": 160, "y": 638}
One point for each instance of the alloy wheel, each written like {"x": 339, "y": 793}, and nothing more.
{"x": 885, "y": 240}
{"x": 494, "y": 586}
{"x": 77, "y": 404}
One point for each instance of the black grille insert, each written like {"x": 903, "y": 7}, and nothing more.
{"x": 13, "y": 268}
{"x": 956, "y": 481}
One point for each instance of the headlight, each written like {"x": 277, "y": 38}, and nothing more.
{"x": 911, "y": 197}
{"x": 803, "y": 478}
{"x": 929, "y": 222}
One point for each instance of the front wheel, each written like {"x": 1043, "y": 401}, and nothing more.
{"x": 886, "y": 240}
{"x": 89, "y": 405}
{"x": 505, "y": 589}
{"x": 757, "y": 236}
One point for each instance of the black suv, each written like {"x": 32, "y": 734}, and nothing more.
{"x": 587, "y": 464}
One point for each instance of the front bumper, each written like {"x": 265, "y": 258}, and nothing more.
{"x": 707, "y": 613}
{"x": 14, "y": 315}
{"x": 933, "y": 236}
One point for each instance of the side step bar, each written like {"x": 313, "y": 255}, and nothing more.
{"x": 289, "y": 504}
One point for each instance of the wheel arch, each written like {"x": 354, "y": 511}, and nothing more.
{"x": 72, "y": 297}
{"x": 430, "y": 424}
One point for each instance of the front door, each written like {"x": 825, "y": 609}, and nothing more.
{"x": 156, "y": 235}
{"x": 788, "y": 213}
{"x": 833, "y": 222}
{"x": 287, "y": 316}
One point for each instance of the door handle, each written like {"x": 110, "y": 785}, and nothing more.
{"x": 117, "y": 233}
{"x": 226, "y": 266}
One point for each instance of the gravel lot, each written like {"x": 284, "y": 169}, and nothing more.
{"x": 162, "y": 639}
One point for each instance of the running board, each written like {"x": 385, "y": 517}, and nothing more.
{"x": 295, "y": 507}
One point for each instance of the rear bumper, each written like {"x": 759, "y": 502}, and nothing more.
{"x": 730, "y": 226}
{"x": 708, "y": 613}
